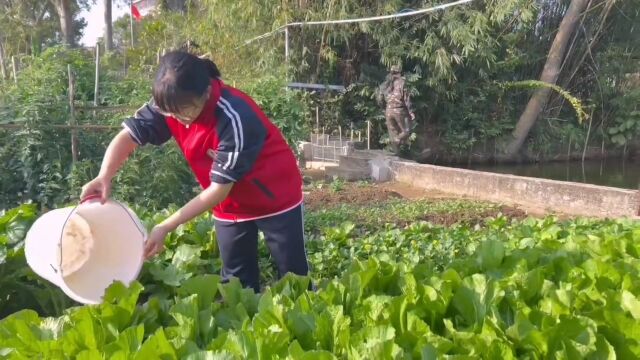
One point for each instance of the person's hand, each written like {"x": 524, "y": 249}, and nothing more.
{"x": 413, "y": 116}
{"x": 155, "y": 241}
{"x": 98, "y": 186}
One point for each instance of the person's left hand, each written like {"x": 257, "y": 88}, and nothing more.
{"x": 413, "y": 116}
{"x": 155, "y": 241}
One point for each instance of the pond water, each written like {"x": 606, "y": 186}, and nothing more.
{"x": 609, "y": 172}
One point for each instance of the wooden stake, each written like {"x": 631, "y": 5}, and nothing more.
{"x": 352, "y": 132}
{"x": 125, "y": 62}
{"x": 368, "y": 135}
{"x": 334, "y": 150}
{"x": 131, "y": 23}
{"x": 96, "y": 87}
{"x": 72, "y": 117}
{"x": 323, "y": 145}
{"x": 86, "y": 127}
{"x": 14, "y": 67}
{"x": 3, "y": 68}
{"x": 286, "y": 52}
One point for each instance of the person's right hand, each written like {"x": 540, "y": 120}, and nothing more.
{"x": 98, "y": 186}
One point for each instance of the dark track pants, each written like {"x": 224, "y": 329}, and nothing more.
{"x": 238, "y": 244}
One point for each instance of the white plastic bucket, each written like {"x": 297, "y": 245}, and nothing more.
{"x": 112, "y": 252}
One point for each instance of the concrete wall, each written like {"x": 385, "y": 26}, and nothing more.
{"x": 545, "y": 195}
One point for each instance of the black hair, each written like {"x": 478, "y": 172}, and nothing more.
{"x": 181, "y": 78}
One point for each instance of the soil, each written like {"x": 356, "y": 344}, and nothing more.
{"x": 325, "y": 196}
{"x": 473, "y": 218}
{"x": 351, "y": 193}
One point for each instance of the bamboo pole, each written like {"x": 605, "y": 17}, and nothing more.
{"x": 72, "y": 117}
{"x": 62, "y": 127}
{"x": 368, "y": 135}
{"x": 106, "y": 108}
{"x": 124, "y": 62}
{"x": 131, "y": 22}
{"x": 96, "y": 87}
{"x": 3, "y": 68}
{"x": 286, "y": 52}
{"x": 323, "y": 145}
{"x": 14, "y": 68}
{"x": 334, "y": 151}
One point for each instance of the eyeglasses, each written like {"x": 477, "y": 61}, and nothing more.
{"x": 190, "y": 113}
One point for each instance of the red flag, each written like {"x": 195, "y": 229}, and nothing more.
{"x": 135, "y": 13}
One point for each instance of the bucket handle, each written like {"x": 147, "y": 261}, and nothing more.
{"x": 90, "y": 197}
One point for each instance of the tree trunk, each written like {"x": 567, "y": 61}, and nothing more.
{"x": 108, "y": 26}
{"x": 63, "y": 8}
{"x": 549, "y": 74}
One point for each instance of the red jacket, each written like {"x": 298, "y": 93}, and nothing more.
{"x": 231, "y": 141}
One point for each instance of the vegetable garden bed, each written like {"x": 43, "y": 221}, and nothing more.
{"x": 497, "y": 288}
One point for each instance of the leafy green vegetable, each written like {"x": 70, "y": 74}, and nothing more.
{"x": 537, "y": 288}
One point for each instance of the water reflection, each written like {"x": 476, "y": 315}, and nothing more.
{"x": 616, "y": 173}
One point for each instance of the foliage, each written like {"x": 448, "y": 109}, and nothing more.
{"x": 626, "y": 119}
{"x": 537, "y": 84}
{"x": 455, "y": 62}
{"x": 39, "y": 158}
{"x": 539, "y": 288}
{"x": 390, "y": 213}
{"x": 20, "y": 288}
{"x": 28, "y": 26}
{"x": 288, "y": 110}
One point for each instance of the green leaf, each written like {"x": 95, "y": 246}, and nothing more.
{"x": 86, "y": 332}
{"x": 185, "y": 312}
{"x": 490, "y": 254}
{"x": 91, "y": 354}
{"x": 500, "y": 350}
{"x": 332, "y": 330}
{"x": 526, "y": 335}
{"x": 619, "y": 139}
{"x": 469, "y": 300}
{"x": 128, "y": 342}
{"x": 398, "y": 314}
{"x": 604, "y": 350}
{"x": 210, "y": 355}
{"x": 205, "y": 286}
{"x": 126, "y": 297}
{"x": 169, "y": 275}
{"x": 156, "y": 347}
{"x": 631, "y": 304}
{"x": 302, "y": 325}
{"x": 295, "y": 350}
{"x": 186, "y": 256}
{"x": 378, "y": 343}
{"x": 532, "y": 285}
{"x": 234, "y": 293}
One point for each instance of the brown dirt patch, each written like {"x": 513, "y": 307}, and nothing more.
{"x": 410, "y": 192}
{"x": 350, "y": 193}
{"x": 313, "y": 174}
{"x": 472, "y": 218}
{"x": 324, "y": 196}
